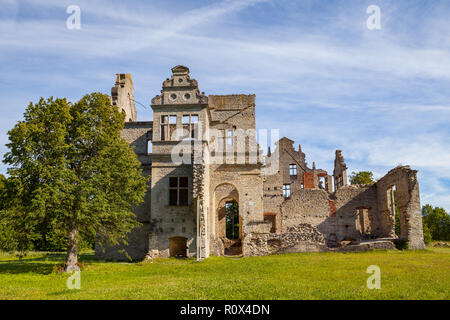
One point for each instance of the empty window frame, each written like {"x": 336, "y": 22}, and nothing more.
{"x": 293, "y": 170}
{"x": 189, "y": 125}
{"x": 229, "y": 137}
{"x": 286, "y": 190}
{"x": 172, "y": 127}
{"x": 225, "y": 140}
{"x": 178, "y": 191}
{"x": 322, "y": 182}
{"x": 339, "y": 181}
{"x": 164, "y": 127}
{"x": 168, "y": 127}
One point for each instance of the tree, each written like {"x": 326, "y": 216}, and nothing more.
{"x": 232, "y": 220}
{"x": 6, "y": 239}
{"x": 437, "y": 221}
{"x": 72, "y": 172}
{"x": 362, "y": 177}
{"x": 426, "y": 234}
{"x": 2, "y": 191}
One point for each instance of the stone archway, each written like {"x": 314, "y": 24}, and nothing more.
{"x": 227, "y": 212}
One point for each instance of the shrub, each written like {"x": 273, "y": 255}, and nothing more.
{"x": 426, "y": 234}
{"x": 401, "y": 244}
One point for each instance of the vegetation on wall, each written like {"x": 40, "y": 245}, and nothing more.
{"x": 362, "y": 177}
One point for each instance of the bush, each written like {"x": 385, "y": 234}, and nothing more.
{"x": 437, "y": 221}
{"x": 7, "y": 241}
{"x": 401, "y": 244}
{"x": 426, "y": 234}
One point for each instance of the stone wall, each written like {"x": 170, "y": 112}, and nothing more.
{"x": 335, "y": 215}
{"x": 300, "y": 238}
{"x": 171, "y": 221}
{"x": 285, "y": 155}
{"x": 137, "y": 134}
{"x": 240, "y": 182}
{"x": 408, "y": 202}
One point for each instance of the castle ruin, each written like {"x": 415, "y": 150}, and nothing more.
{"x": 250, "y": 203}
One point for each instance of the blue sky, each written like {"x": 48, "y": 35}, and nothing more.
{"x": 319, "y": 74}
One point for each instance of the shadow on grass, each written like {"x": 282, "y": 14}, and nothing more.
{"x": 43, "y": 264}
{"x": 66, "y": 292}
{"x": 16, "y": 267}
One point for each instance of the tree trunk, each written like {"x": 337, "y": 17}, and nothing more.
{"x": 72, "y": 251}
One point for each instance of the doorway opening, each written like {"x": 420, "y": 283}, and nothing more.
{"x": 232, "y": 220}
{"x": 178, "y": 247}
{"x": 233, "y": 229}
{"x": 393, "y": 208}
{"x": 363, "y": 224}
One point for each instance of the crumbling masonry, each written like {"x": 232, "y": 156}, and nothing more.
{"x": 201, "y": 207}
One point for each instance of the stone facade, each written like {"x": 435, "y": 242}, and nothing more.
{"x": 217, "y": 194}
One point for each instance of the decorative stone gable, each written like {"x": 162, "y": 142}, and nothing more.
{"x": 180, "y": 89}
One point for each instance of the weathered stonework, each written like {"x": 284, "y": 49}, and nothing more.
{"x": 122, "y": 96}
{"x": 292, "y": 208}
{"x": 408, "y": 202}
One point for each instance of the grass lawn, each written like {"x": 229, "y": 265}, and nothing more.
{"x": 421, "y": 274}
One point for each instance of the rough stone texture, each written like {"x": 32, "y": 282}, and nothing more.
{"x": 408, "y": 202}
{"x": 351, "y": 202}
{"x": 300, "y": 238}
{"x": 138, "y": 134}
{"x": 442, "y": 244}
{"x": 281, "y": 159}
{"x": 340, "y": 170}
{"x": 366, "y": 246}
{"x": 312, "y": 217}
{"x": 122, "y": 96}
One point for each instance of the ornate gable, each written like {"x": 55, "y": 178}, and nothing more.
{"x": 180, "y": 89}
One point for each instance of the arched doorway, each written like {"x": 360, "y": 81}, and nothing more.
{"x": 228, "y": 219}
{"x": 178, "y": 247}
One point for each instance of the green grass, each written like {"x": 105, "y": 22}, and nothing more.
{"x": 421, "y": 274}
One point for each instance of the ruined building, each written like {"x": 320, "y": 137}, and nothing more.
{"x": 248, "y": 203}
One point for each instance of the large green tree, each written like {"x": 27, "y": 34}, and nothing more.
{"x": 2, "y": 191}
{"x": 362, "y": 177}
{"x": 6, "y": 239}
{"x": 71, "y": 171}
{"x": 437, "y": 221}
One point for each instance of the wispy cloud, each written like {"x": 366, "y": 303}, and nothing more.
{"x": 319, "y": 74}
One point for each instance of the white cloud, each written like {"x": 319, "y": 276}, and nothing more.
{"x": 327, "y": 83}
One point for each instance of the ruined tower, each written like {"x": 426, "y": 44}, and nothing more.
{"x": 340, "y": 171}
{"x": 122, "y": 96}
